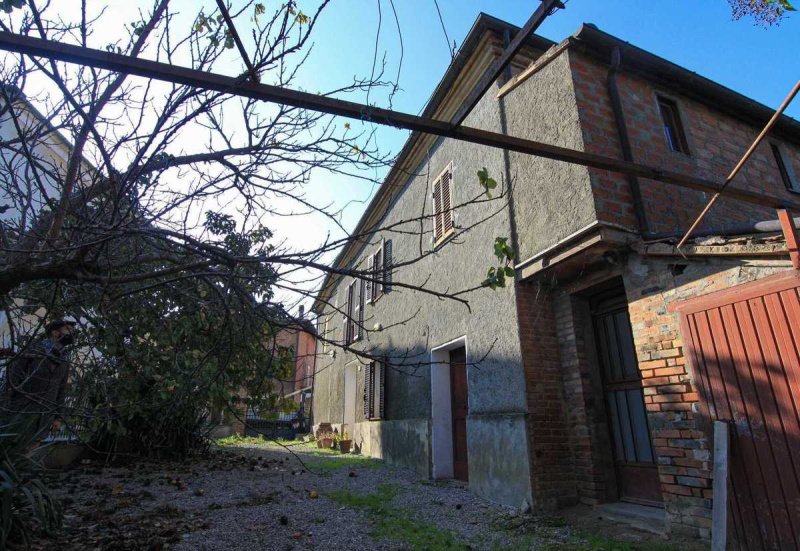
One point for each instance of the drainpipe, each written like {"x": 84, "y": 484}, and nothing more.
{"x": 624, "y": 140}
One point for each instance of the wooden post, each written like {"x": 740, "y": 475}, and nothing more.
{"x": 790, "y": 233}
{"x": 719, "y": 512}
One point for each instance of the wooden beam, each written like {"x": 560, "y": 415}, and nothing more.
{"x": 110, "y": 61}
{"x": 790, "y": 233}
{"x": 719, "y": 507}
{"x": 496, "y": 69}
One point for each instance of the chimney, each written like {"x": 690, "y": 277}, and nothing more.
{"x": 302, "y": 310}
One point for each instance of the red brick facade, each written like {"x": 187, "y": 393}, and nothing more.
{"x": 716, "y": 143}
{"x": 571, "y": 449}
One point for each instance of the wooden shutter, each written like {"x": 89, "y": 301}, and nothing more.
{"x": 348, "y": 316}
{"x": 341, "y": 306}
{"x": 379, "y": 269}
{"x": 360, "y": 317}
{"x": 447, "y": 205}
{"x": 437, "y": 210}
{"x": 370, "y": 284}
{"x": 380, "y": 388}
{"x": 387, "y": 265}
{"x": 368, "y": 390}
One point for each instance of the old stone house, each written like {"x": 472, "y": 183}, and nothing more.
{"x": 594, "y": 375}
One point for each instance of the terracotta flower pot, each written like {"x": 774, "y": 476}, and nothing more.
{"x": 327, "y": 442}
{"x": 344, "y": 446}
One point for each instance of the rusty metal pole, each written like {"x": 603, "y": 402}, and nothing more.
{"x": 742, "y": 161}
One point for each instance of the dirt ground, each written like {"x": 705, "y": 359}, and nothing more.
{"x": 250, "y": 494}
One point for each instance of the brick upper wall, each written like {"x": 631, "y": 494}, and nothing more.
{"x": 716, "y": 143}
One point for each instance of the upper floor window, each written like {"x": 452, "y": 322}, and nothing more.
{"x": 673, "y": 129}
{"x": 353, "y": 311}
{"x": 379, "y": 267}
{"x": 442, "y": 205}
{"x": 786, "y": 176}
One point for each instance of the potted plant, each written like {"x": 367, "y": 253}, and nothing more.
{"x": 324, "y": 435}
{"x": 345, "y": 442}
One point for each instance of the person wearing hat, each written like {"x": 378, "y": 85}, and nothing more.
{"x": 36, "y": 379}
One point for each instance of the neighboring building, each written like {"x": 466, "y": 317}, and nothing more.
{"x": 26, "y": 190}
{"x": 300, "y": 339}
{"x": 577, "y": 382}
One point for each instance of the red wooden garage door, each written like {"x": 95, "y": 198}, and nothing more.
{"x": 744, "y": 347}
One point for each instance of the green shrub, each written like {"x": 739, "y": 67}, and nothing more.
{"x": 27, "y": 504}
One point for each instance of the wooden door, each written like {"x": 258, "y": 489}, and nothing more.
{"x": 636, "y": 469}
{"x": 460, "y": 408}
{"x": 744, "y": 348}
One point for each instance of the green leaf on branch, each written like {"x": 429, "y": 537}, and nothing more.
{"x": 496, "y": 276}
{"x": 487, "y": 183}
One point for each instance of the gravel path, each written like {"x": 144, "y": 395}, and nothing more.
{"x": 265, "y": 497}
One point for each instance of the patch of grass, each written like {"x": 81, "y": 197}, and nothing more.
{"x": 375, "y": 502}
{"x": 327, "y": 465}
{"x": 595, "y": 542}
{"x": 239, "y": 440}
{"x": 395, "y": 524}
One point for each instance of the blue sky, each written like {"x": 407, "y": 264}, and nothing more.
{"x": 698, "y": 35}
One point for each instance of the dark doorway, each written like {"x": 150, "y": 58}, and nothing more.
{"x": 634, "y": 460}
{"x": 458, "y": 401}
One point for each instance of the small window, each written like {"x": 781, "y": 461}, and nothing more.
{"x": 783, "y": 168}
{"x": 442, "y": 205}
{"x": 673, "y": 129}
{"x": 379, "y": 266}
{"x": 374, "y": 377}
{"x": 353, "y": 314}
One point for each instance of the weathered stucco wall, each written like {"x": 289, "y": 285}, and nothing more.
{"x": 551, "y": 199}
{"x": 497, "y": 404}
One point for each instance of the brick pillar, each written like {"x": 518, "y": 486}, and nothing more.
{"x": 584, "y": 401}
{"x": 681, "y": 447}
{"x": 552, "y": 469}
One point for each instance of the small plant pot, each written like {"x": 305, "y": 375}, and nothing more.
{"x": 344, "y": 445}
{"x": 327, "y": 442}
{"x": 319, "y": 443}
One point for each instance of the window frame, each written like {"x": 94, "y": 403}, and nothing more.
{"x": 350, "y": 335}
{"x": 785, "y": 169}
{"x": 678, "y": 136}
{"x": 375, "y": 391}
{"x": 438, "y": 215}
{"x": 378, "y": 267}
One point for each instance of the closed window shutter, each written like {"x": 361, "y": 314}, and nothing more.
{"x": 387, "y": 265}
{"x": 437, "y": 210}
{"x": 370, "y": 285}
{"x": 343, "y": 310}
{"x": 379, "y": 269}
{"x": 368, "y": 391}
{"x": 447, "y": 206}
{"x": 348, "y": 316}
{"x": 360, "y": 318}
{"x": 381, "y": 387}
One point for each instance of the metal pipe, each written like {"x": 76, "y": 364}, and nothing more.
{"x": 742, "y": 161}
{"x": 624, "y": 139}
{"x": 764, "y": 226}
{"x": 110, "y": 61}
{"x": 494, "y": 71}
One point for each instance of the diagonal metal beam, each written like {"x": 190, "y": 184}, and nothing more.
{"x": 100, "y": 59}
{"x": 741, "y": 162}
{"x": 235, "y": 35}
{"x": 497, "y": 67}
